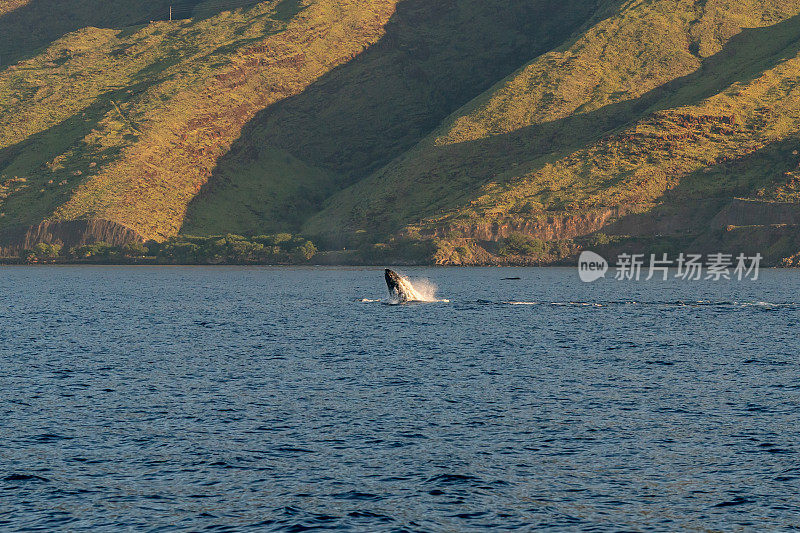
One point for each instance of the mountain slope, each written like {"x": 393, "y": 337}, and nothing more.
{"x": 434, "y": 57}
{"x": 459, "y": 127}
{"x": 593, "y": 130}
{"x": 127, "y": 125}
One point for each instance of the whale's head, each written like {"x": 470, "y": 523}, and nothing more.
{"x": 394, "y": 283}
{"x": 392, "y": 278}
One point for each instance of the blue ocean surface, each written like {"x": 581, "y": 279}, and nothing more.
{"x": 286, "y": 399}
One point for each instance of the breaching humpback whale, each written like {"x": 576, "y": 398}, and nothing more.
{"x": 400, "y": 288}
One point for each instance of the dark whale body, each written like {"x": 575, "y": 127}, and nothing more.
{"x": 399, "y": 288}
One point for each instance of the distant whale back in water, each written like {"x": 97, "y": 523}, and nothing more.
{"x": 400, "y": 288}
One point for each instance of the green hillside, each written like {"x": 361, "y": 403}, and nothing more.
{"x": 660, "y": 103}
{"x": 126, "y": 124}
{"x": 434, "y": 58}
{"x": 454, "y": 131}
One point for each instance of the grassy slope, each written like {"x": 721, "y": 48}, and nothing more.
{"x": 7, "y": 6}
{"x": 127, "y": 125}
{"x": 253, "y": 119}
{"x": 435, "y": 57}
{"x": 26, "y": 26}
{"x": 574, "y": 129}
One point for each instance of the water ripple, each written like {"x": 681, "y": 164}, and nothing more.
{"x": 234, "y": 399}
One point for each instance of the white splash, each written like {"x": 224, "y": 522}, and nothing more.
{"x": 418, "y": 290}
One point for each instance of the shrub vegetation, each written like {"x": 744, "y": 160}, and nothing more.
{"x": 281, "y": 248}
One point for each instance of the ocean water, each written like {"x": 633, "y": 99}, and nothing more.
{"x": 286, "y": 399}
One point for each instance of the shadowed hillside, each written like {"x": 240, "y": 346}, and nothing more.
{"x": 501, "y": 131}
{"x": 435, "y": 57}
{"x": 577, "y": 156}
{"x": 28, "y": 25}
{"x": 125, "y": 126}
{"x": 476, "y": 162}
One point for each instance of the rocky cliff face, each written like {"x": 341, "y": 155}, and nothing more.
{"x": 696, "y": 226}
{"x": 548, "y": 227}
{"x": 69, "y": 233}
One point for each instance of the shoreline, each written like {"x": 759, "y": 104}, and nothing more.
{"x": 5, "y": 263}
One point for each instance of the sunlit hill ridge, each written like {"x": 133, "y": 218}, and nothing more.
{"x": 441, "y": 131}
